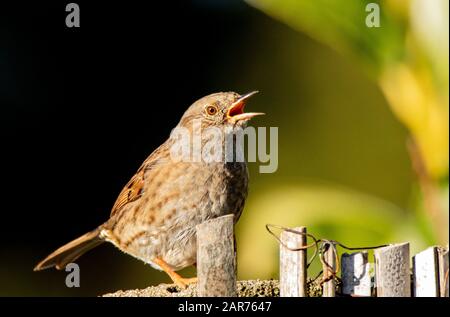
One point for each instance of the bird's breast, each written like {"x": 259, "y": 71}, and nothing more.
{"x": 175, "y": 200}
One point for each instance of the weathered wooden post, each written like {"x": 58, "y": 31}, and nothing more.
{"x": 329, "y": 255}
{"x": 355, "y": 274}
{"x": 216, "y": 258}
{"x": 392, "y": 271}
{"x": 293, "y": 264}
{"x": 426, "y": 273}
{"x": 443, "y": 271}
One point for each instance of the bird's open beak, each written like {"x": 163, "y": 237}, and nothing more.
{"x": 236, "y": 111}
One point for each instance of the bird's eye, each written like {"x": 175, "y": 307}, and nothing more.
{"x": 211, "y": 110}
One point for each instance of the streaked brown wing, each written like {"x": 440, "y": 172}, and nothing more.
{"x": 133, "y": 189}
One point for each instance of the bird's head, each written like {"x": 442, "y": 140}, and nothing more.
{"x": 223, "y": 109}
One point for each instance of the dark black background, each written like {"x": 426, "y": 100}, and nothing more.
{"x": 81, "y": 108}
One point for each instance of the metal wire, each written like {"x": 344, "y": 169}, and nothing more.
{"x": 320, "y": 247}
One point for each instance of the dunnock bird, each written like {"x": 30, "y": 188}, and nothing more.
{"x": 155, "y": 215}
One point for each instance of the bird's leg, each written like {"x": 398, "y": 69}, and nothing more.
{"x": 176, "y": 278}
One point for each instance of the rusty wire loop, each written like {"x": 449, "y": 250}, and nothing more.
{"x": 320, "y": 247}
{"x": 315, "y": 244}
{"x": 331, "y": 272}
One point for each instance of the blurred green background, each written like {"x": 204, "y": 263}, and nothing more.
{"x": 363, "y": 118}
{"x": 363, "y": 133}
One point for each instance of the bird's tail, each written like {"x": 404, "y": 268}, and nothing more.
{"x": 71, "y": 251}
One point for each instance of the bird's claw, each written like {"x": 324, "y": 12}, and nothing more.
{"x": 183, "y": 283}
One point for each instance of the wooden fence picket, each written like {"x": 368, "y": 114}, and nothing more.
{"x": 216, "y": 258}
{"x": 355, "y": 274}
{"x": 443, "y": 271}
{"x": 426, "y": 273}
{"x": 329, "y": 287}
{"x": 293, "y": 264}
{"x": 392, "y": 271}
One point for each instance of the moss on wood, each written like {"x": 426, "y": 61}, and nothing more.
{"x": 248, "y": 288}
